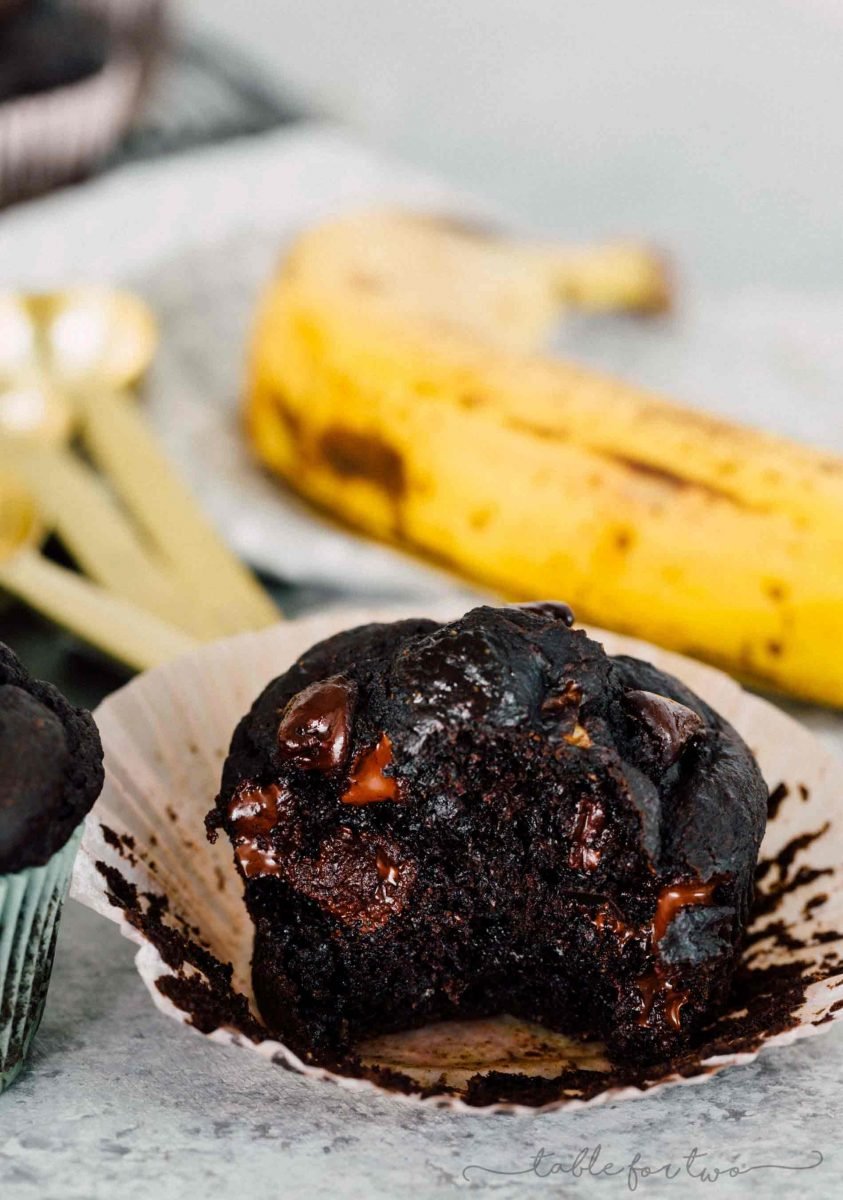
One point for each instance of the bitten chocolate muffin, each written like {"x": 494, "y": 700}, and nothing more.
{"x": 50, "y": 767}
{"x": 489, "y": 816}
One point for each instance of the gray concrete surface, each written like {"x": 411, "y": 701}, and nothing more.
{"x": 120, "y": 1103}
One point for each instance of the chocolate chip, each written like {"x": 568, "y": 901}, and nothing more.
{"x": 589, "y": 823}
{"x": 369, "y": 783}
{"x": 254, "y": 812}
{"x": 568, "y": 698}
{"x": 562, "y": 707}
{"x": 361, "y": 881}
{"x": 315, "y": 727}
{"x": 669, "y": 725}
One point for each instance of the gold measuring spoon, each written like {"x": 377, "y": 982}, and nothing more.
{"x": 119, "y": 441}
{"x": 68, "y": 337}
{"x": 113, "y": 624}
{"x": 77, "y": 505}
{"x": 35, "y": 421}
{"x": 86, "y": 346}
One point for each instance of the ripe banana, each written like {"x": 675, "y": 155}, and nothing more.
{"x": 394, "y": 381}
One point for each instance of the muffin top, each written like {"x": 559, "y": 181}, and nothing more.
{"x": 50, "y": 767}
{"x": 444, "y": 731}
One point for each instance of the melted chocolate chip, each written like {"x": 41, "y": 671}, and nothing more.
{"x": 589, "y": 823}
{"x": 555, "y": 610}
{"x": 669, "y": 726}
{"x": 368, "y": 782}
{"x": 315, "y": 727}
{"x": 568, "y": 699}
{"x": 660, "y": 986}
{"x": 605, "y": 918}
{"x": 674, "y": 897}
{"x": 254, "y": 812}
{"x": 354, "y": 878}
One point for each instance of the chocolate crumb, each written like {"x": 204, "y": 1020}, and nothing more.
{"x": 111, "y": 838}
{"x": 777, "y": 796}
{"x": 201, "y": 985}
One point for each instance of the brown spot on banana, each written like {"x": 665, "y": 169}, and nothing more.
{"x": 365, "y": 456}
{"x": 658, "y": 475}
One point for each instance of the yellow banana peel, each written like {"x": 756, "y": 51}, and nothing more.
{"x": 394, "y": 381}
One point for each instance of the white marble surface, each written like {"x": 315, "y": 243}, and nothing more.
{"x": 120, "y": 1102}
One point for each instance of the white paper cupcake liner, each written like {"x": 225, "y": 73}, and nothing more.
{"x": 30, "y": 907}
{"x": 166, "y": 735}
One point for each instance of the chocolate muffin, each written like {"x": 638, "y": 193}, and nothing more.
{"x": 50, "y": 775}
{"x": 489, "y": 816}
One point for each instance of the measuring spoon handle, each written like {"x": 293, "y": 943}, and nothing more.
{"x": 120, "y": 442}
{"x": 79, "y": 508}
{"x": 111, "y": 623}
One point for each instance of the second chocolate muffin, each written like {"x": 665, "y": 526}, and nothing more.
{"x": 51, "y": 773}
{"x": 489, "y": 816}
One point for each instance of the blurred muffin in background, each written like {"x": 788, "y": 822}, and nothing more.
{"x": 45, "y": 46}
{"x": 72, "y": 75}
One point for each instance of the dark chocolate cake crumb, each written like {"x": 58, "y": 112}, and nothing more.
{"x": 200, "y": 985}
{"x": 814, "y": 902}
{"x": 788, "y": 880}
{"x": 785, "y": 857}
{"x": 777, "y": 796}
{"x": 777, "y": 933}
{"x": 111, "y": 838}
{"x": 123, "y": 843}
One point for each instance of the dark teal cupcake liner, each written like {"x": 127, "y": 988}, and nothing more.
{"x": 30, "y": 906}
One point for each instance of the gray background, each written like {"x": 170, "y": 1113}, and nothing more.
{"x": 715, "y": 129}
